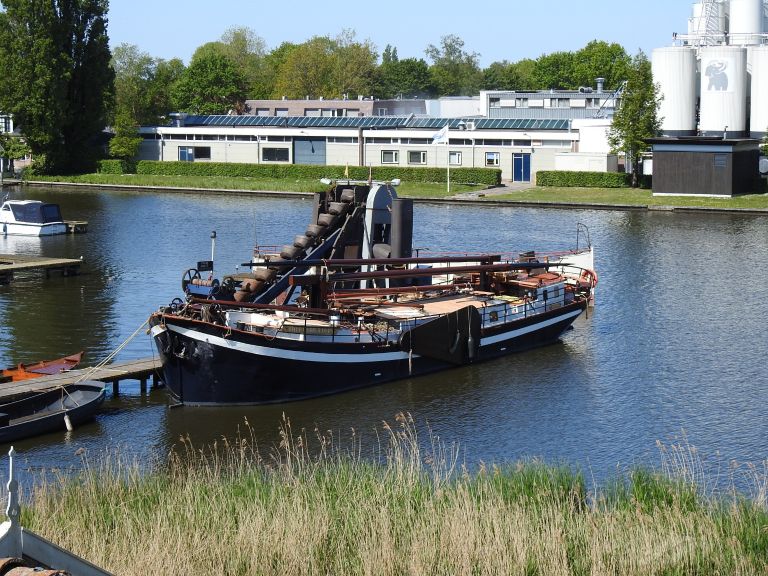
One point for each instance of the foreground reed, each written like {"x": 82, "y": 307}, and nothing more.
{"x": 324, "y": 509}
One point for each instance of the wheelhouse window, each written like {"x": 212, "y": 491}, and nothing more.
{"x": 275, "y": 155}
{"x": 417, "y": 157}
{"x": 492, "y": 158}
{"x": 390, "y": 157}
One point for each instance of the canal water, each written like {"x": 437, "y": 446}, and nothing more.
{"x": 675, "y": 348}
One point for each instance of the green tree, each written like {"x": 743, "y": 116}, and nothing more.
{"x": 247, "y": 50}
{"x": 600, "y": 60}
{"x": 555, "y": 71}
{"x": 454, "y": 71}
{"x": 273, "y": 66}
{"x": 389, "y": 55}
{"x": 126, "y": 141}
{"x": 13, "y": 148}
{"x": 636, "y": 118}
{"x": 134, "y": 71}
{"x": 212, "y": 84}
{"x": 502, "y": 76}
{"x": 407, "y": 78}
{"x": 354, "y": 66}
{"x": 764, "y": 147}
{"x": 161, "y": 88}
{"x": 58, "y": 83}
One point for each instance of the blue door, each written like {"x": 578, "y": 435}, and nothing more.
{"x": 521, "y": 167}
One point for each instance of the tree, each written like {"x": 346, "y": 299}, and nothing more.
{"x": 636, "y": 118}
{"x": 555, "y": 71}
{"x": 764, "y": 147}
{"x": 13, "y": 148}
{"x": 353, "y": 65}
{"x": 600, "y": 60}
{"x": 389, "y": 55}
{"x": 247, "y": 50}
{"x": 405, "y": 78}
{"x": 454, "y": 71}
{"x": 501, "y": 76}
{"x": 134, "y": 71}
{"x": 126, "y": 141}
{"x": 58, "y": 81}
{"x": 211, "y": 84}
{"x": 306, "y": 69}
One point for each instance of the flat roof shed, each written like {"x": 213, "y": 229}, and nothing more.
{"x": 705, "y": 166}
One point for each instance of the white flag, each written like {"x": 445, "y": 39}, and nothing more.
{"x": 441, "y": 137}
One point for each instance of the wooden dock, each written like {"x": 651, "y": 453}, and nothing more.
{"x": 142, "y": 370}
{"x": 76, "y": 226}
{"x": 13, "y": 263}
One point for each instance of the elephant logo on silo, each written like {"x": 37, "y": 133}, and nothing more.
{"x": 718, "y": 79}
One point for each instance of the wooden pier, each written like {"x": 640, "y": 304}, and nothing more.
{"x": 13, "y": 263}
{"x": 142, "y": 370}
{"x": 76, "y": 226}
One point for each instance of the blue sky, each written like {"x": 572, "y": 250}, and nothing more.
{"x": 499, "y": 30}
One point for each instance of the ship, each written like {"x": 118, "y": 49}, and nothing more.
{"x": 347, "y": 305}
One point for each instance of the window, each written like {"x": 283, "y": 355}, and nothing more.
{"x": 342, "y": 139}
{"x": 417, "y": 157}
{"x": 416, "y": 140}
{"x": 454, "y": 158}
{"x": 263, "y": 112}
{"x": 278, "y": 138}
{"x": 494, "y": 102}
{"x": 389, "y": 157}
{"x": 381, "y": 140}
{"x": 274, "y": 155}
{"x": 561, "y": 103}
{"x": 202, "y": 153}
{"x": 521, "y": 143}
{"x": 521, "y": 102}
{"x": 281, "y": 111}
{"x": 491, "y": 158}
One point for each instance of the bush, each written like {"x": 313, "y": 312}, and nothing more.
{"x": 116, "y": 167}
{"x": 565, "y": 179}
{"x": 487, "y": 176}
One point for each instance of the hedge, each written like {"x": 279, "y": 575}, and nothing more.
{"x": 487, "y": 176}
{"x": 116, "y": 167}
{"x": 566, "y": 179}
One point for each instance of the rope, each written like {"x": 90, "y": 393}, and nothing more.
{"x": 112, "y": 355}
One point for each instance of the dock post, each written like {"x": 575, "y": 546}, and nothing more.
{"x": 115, "y": 387}
{"x": 143, "y": 385}
{"x": 155, "y": 381}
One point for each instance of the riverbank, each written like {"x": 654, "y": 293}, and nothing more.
{"x": 510, "y": 193}
{"x": 311, "y": 506}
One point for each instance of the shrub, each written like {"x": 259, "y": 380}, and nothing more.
{"x": 487, "y": 176}
{"x": 566, "y": 179}
{"x": 115, "y": 167}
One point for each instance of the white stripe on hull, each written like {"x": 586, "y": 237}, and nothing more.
{"x": 305, "y": 356}
{"x": 22, "y": 229}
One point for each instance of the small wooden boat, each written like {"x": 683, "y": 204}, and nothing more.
{"x": 50, "y": 411}
{"x": 43, "y": 368}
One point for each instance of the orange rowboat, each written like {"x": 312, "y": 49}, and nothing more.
{"x": 44, "y": 368}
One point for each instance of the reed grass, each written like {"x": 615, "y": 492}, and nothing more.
{"x": 315, "y": 505}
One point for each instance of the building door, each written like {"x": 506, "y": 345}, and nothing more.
{"x": 309, "y": 151}
{"x": 521, "y": 167}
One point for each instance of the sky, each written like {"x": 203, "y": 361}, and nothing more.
{"x": 501, "y": 30}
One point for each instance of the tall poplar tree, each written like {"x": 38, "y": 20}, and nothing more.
{"x": 637, "y": 116}
{"x": 58, "y": 83}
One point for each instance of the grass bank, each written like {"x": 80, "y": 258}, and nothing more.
{"x": 406, "y": 189}
{"x": 322, "y": 509}
{"x": 604, "y": 196}
{"x": 630, "y": 197}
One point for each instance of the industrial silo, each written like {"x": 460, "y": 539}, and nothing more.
{"x": 759, "y": 108}
{"x": 723, "y": 88}
{"x": 746, "y": 22}
{"x": 674, "y": 69}
{"x": 698, "y": 22}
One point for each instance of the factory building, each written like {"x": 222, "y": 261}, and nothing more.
{"x": 714, "y": 78}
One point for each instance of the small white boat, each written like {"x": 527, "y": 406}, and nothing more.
{"x": 31, "y": 218}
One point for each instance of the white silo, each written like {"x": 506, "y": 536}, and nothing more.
{"x": 746, "y": 22}
{"x": 702, "y": 21}
{"x": 723, "y": 90}
{"x": 674, "y": 69}
{"x": 758, "y": 124}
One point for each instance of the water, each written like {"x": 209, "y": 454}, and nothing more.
{"x": 676, "y": 342}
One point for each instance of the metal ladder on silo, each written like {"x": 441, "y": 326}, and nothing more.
{"x": 709, "y": 30}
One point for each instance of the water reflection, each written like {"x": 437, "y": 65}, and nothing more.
{"x": 674, "y": 343}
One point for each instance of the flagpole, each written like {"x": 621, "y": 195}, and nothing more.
{"x": 448, "y": 170}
